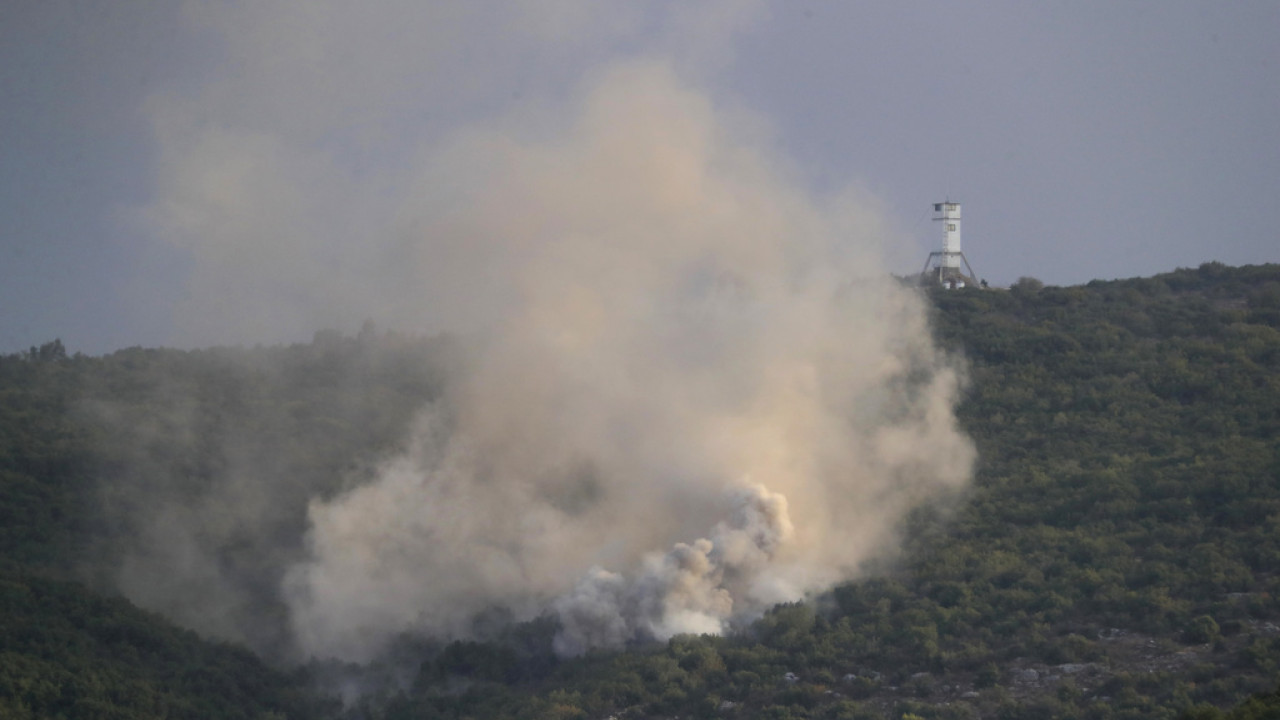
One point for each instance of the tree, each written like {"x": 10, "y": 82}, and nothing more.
{"x": 1026, "y": 286}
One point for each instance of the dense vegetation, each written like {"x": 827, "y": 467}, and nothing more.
{"x": 1117, "y": 556}
{"x": 92, "y": 450}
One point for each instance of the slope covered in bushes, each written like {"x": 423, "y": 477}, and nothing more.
{"x": 1116, "y": 557}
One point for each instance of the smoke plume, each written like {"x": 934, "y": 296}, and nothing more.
{"x": 687, "y": 350}
{"x": 694, "y": 391}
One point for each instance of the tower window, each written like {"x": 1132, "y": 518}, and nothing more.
{"x": 951, "y": 227}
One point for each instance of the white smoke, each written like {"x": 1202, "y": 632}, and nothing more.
{"x": 695, "y": 391}
{"x": 690, "y": 589}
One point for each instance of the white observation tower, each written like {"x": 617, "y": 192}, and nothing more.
{"x": 948, "y": 267}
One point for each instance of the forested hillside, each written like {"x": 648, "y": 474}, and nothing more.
{"x": 101, "y": 457}
{"x": 1116, "y": 557}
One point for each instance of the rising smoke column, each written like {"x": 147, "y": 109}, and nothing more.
{"x": 694, "y": 400}
{"x": 679, "y": 350}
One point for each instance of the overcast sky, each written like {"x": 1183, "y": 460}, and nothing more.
{"x": 200, "y": 173}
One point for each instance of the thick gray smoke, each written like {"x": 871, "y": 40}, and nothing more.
{"x": 678, "y": 323}
{"x": 696, "y": 391}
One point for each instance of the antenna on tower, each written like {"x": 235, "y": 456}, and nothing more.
{"x": 948, "y": 267}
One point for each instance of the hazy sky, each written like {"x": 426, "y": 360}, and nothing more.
{"x": 148, "y": 145}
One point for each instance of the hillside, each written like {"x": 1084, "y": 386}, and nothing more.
{"x": 94, "y": 452}
{"x": 1116, "y": 557}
